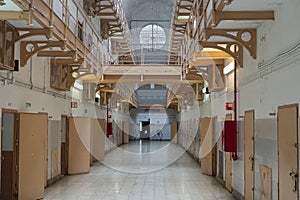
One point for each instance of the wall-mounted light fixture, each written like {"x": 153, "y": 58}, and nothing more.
{"x": 2, "y": 3}
{"x": 205, "y": 90}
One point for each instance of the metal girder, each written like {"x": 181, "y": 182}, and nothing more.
{"x": 232, "y": 48}
{"x": 211, "y": 54}
{"x": 246, "y": 37}
{"x": 16, "y": 15}
{"x": 29, "y": 48}
{"x": 205, "y": 62}
{"x": 68, "y": 61}
{"x": 219, "y": 16}
{"x": 71, "y": 54}
{"x": 47, "y": 32}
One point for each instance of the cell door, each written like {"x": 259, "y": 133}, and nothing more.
{"x": 64, "y": 145}
{"x": 249, "y": 155}
{"x": 288, "y": 152}
{"x": 207, "y": 147}
{"x": 9, "y": 154}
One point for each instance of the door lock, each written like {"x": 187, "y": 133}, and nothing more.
{"x": 295, "y": 178}
{"x": 252, "y": 162}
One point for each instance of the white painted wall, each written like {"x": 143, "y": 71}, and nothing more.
{"x": 264, "y": 89}
{"x": 32, "y": 85}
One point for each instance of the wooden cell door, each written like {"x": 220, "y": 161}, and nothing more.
{"x": 33, "y": 131}
{"x": 174, "y": 132}
{"x": 228, "y": 164}
{"x": 249, "y": 155}
{"x": 288, "y": 152}
{"x": 208, "y": 155}
{"x": 64, "y": 145}
{"x": 9, "y": 138}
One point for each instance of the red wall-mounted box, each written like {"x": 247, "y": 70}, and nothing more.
{"x": 230, "y": 136}
{"x": 109, "y": 128}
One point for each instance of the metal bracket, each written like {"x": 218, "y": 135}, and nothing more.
{"x": 47, "y": 32}
{"x": 16, "y": 15}
{"x": 246, "y": 37}
{"x": 228, "y": 47}
{"x": 29, "y": 48}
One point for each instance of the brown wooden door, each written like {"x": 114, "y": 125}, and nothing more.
{"x": 64, "y": 145}
{"x": 9, "y": 150}
{"x": 125, "y": 132}
{"x": 288, "y": 152}
{"x": 208, "y": 148}
{"x": 228, "y": 164}
{"x": 33, "y": 129}
{"x": 249, "y": 155}
{"x": 79, "y": 145}
{"x": 174, "y": 132}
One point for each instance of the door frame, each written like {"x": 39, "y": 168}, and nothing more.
{"x": 250, "y": 111}
{"x": 228, "y": 158}
{"x": 282, "y": 107}
{"x": 15, "y": 152}
{"x": 64, "y": 165}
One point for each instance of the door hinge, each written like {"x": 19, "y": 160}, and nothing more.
{"x": 296, "y": 145}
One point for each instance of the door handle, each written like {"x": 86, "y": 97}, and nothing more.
{"x": 294, "y": 177}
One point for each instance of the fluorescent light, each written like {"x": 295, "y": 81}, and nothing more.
{"x": 78, "y": 86}
{"x": 229, "y": 68}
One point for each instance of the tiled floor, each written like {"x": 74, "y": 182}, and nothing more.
{"x": 180, "y": 180}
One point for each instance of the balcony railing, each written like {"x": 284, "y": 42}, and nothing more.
{"x": 69, "y": 23}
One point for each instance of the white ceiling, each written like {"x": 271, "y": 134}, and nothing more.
{"x": 10, "y": 6}
{"x": 253, "y": 5}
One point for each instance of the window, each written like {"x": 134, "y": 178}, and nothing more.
{"x": 152, "y": 37}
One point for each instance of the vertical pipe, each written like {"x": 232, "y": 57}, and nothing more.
{"x": 234, "y": 154}
{"x": 106, "y": 116}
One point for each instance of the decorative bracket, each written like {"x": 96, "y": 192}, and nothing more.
{"x": 29, "y": 48}
{"x": 246, "y": 37}
{"x": 232, "y": 48}
{"x": 47, "y": 32}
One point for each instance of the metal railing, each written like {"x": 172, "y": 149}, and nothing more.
{"x": 145, "y": 54}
